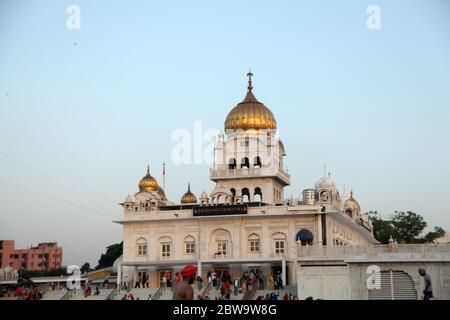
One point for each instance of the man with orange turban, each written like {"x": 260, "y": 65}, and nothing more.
{"x": 184, "y": 290}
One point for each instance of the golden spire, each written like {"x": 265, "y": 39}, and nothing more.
{"x": 250, "y": 114}
{"x": 250, "y": 75}
{"x": 188, "y": 197}
{"x": 148, "y": 183}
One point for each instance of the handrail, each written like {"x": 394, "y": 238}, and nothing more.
{"x": 68, "y": 295}
{"x": 158, "y": 293}
{"x": 112, "y": 295}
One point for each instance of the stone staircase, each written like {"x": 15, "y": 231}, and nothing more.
{"x": 79, "y": 295}
{"x": 289, "y": 290}
{"x": 54, "y": 295}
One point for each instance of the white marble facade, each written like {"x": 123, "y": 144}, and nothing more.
{"x": 249, "y": 173}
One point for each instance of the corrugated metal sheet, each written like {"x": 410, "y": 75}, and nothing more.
{"x": 395, "y": 285}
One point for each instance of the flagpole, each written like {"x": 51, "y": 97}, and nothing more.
{"x": 164, "y": 176}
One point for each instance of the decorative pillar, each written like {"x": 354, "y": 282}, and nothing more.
{"x": 283, "y": 271}
{"x": 199, "y": 268}
{"x": 119, "y": 276}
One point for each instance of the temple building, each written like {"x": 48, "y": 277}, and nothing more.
{"x": 244, "y": 223}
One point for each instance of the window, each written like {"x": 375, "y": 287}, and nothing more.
{"x": 165, "y": 250}
{"x": 141, "y": 245}
{"x": 190, "y": 248}
{"x": 222, "y": 248}
{"x": 255, "y": 246}
{"x": 142, "y": 250}
{"x": 254, "y": 243}
{"x": 279, "y": 246}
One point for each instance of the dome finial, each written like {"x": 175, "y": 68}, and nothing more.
{"x": 189, "y": 186}
{"x": 250, "y": 75}
{"x": 148, "y": 169}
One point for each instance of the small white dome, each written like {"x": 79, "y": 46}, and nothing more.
{"x": 204, "y": 195}
{"x": 129, "y": 199}
{"x": 325, "y": 183}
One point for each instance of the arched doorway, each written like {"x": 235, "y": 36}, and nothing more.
{"x": 395, "y": 285}
{"x": 305, "y": 237}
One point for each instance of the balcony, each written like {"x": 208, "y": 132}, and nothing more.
{"x": 218, "y": 174}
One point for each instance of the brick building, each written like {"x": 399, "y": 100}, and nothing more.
{"x": 45, "y": 256}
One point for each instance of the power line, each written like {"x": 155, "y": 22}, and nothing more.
{"x": 54, "y": 198}
{"x": 54, "y": 161}
{"x": 55, "y": 181}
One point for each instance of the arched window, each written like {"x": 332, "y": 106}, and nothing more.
{"x": 220, "y": 243}
{"x": 305, "y": 237}
{"x": 280, "y": 243}
{"x": 166, "y": 244}
{"x": 257, "y": 163}
{"x": 189, "y": 245}
{"x": 232, "y": 164}
{"x": 258, "y": 195}
{"x": 254, "y": 243}
{"x": 324, "y": 196}
{"x": 245, "y": 195}
{"x": 233, "y": 193}
{"x": 245, "y": 163}
{"x": 349, "y": 212}
{"x": 141, "y": 247}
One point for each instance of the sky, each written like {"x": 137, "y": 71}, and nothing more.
{"x": 83, "y": 111}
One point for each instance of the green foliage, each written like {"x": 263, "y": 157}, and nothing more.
{"x": 86, "y": 267}
{"x": 408, "y": 226}
{"x": 107, "y": 259}
{"x": 25, "y": 274}
{"x": 437, "y": 233}
{"x": 405, "y": 227}
{"x": 382, "y": 229}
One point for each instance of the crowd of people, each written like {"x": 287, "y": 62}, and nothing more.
{"x": 29, "y": 294}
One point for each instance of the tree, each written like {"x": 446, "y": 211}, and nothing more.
{"x": 408, "y": 226}
{"x": 27, "y": 274}
{"x": 405, "y": 227}
{"x": 431, "y": 236}
{"x": 382, "y": 229}
{"x": 107, "y": 259}
{"x": 85, "y": 268}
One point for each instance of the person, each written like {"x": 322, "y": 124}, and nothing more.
{"x": 138, "y": 283}
{"x": 199, "y": 283}
{"x": 261, "y": 281}
{"x": 184, "y": 290}
{"x": 177, "y": 279}
{"x": 227, "y": 289}
{"x": 19, "y": 292}
{"x": 214, "y": 280}
{"x": 428, "y": 291}
{"x": 168, "y": 279}
{"x": 236, "y": 287}
{"x": 271, "y": 283}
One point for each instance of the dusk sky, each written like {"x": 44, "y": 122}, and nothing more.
{"x": 83, "y": 111}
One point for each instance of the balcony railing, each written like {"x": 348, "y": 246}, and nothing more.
{"x": 404, "y": 251}
{"x": 251, "y": 172}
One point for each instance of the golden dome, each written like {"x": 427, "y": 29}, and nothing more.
{"x": 188, "y": 197}
{"x": 250, "y": 113}
{"x": 148, "y": 183}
